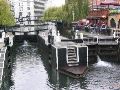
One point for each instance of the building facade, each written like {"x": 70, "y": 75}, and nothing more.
{"x": 105, "y": 12}
{"x": 28, "y": 12}
{"x": 97, "y": 2}
{"x": 11, "y": 3}
{"x": 93, "y": 4}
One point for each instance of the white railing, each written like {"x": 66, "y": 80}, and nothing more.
{"x": 99, "y": 41}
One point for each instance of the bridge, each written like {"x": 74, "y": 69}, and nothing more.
{"x": 28, "y": 32}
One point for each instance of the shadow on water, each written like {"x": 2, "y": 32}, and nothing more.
{"x": 31, "y": 71}
{"x": 7, "y": 82}
{"x": 58, "y": 81}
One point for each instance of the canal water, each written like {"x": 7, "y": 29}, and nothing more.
{"x": 31, "y": 71}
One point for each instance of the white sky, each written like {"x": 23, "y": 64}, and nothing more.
{"x": 55, "y": 3}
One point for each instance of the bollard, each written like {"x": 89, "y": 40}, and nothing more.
{"x": 114, "y": 34}
{"x": 81, "y": 35}
{"x": 97, "y": 39}
{"x": 76, "y": 37}
{"x": 58, "y": 39}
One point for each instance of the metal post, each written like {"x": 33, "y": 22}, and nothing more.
{"x": 57, "y": 58}
{"x": 92, "y": 5}
{"x": 87, "y": 58}
{"x": 97, "y": 39}
{"x": 73, "y": 14}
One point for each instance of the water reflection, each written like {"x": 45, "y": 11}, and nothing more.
{"x": 29, "y": 72}
{"x": 32, "y": 71}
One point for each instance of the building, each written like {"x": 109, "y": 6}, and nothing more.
{"x": 105, "y": 12}
{"x": 95, "y": 4}
{"x": 98, "y": 17}
{"x": 28, "y": 12}
{"x": 11, "y": 3}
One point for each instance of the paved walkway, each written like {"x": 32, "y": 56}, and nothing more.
{"x": 44, "y": 35}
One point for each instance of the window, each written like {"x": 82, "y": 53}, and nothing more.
{"x": 28, "y": 8}
{"x": 20, "y": 13}
{"x": 29, "y": 13}
{"x": 21, "y": 8}
{"x": 21, "y": 22}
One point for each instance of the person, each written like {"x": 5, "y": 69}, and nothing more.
{"x": 50, "y": 32}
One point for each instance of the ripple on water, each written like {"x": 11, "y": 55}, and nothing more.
{"x": 103, "y": 77}
{"x": 31, "y": 72}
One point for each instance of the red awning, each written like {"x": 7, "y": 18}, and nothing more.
{"x": 115, "y": 4}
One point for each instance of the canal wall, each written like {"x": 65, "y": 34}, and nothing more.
{"x": 4, "y": 63}
{"x": 58, "y": 56}
{"x": 92, "y": 53}
{"x": 6, "y": 44}
{"x": 58, "y": 53}
{"x": 41, "y": 43}
{"x": 83, "y": 55}
{"x": 106, "y": 48}
{"x": 109, "y": 52}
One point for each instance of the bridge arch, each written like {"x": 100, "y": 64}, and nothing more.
{"x": 114, "y": 20}
{"x": 119, "y": 23}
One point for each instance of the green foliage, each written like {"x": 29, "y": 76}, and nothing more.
{"x": 6, "y": 17}
{"x": 54, "y": 13}
{"x": 80, "y": 8}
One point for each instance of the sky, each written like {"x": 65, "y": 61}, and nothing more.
{"x": 55, "y": 3}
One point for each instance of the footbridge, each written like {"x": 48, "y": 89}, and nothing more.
{"x": 27, "y": 32}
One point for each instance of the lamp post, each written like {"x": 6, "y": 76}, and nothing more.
{"x": 73, "y": 15}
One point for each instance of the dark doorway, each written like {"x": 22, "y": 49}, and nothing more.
{"x": 119, "y": 23}
{"x": 112, "y": 23}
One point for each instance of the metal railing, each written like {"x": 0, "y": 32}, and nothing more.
{"x": 100, "y": 40}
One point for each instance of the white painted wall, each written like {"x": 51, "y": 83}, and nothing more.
{"x": 22, "y": 6}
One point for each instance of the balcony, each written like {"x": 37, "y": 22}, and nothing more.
{"x": 39, "y": 7}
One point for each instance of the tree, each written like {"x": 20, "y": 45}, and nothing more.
{"x": 54, "y": 13}
{"x": 6, "y": 17}
{"x": 80, "y": 8}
